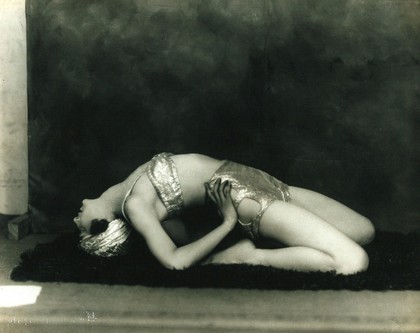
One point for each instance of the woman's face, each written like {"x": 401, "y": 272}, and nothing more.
{"x": 90, "y": 210}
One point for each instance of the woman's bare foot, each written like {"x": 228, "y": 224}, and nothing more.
{"x": 239, "y": 253}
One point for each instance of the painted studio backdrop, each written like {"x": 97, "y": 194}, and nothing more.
{"x": 321, "y": 94}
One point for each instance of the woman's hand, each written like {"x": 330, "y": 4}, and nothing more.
{"x": 220, "y": 194}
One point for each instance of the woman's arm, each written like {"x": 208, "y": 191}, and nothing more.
{"x": 161, "y": 245}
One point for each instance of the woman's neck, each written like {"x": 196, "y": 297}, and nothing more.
{"x": 114, "y": 197}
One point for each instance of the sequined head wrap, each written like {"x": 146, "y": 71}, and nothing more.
{"x": 111, "y": 242}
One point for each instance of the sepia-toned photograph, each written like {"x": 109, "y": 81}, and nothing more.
{"x": 209, "y": 166}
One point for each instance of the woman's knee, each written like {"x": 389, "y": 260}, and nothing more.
{"x": 366, "y": 232}
{"x": 352, "y": 262}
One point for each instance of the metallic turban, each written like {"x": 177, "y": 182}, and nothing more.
{"x": 112, "y": 242}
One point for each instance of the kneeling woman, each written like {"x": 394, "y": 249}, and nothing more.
{"x": 319, "y": 233}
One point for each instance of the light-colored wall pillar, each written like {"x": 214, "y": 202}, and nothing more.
{"x": 13, "y": 109}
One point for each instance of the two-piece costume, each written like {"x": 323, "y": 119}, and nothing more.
{"x": 247, "y": 181}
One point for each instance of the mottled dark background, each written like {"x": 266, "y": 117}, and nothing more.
{"x": 321, "y": 94}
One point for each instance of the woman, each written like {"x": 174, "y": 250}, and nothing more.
{"x": 319, "y": 233}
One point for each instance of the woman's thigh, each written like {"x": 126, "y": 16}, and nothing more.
{"x": 351, "y": 223}
{"x": 296, "y": 226}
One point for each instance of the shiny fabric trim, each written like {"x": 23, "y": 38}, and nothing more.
{"x": 253, "y": 184}
{"x": 163, "y": 175}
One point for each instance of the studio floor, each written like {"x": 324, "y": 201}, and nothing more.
{"x": 72, "y": 307}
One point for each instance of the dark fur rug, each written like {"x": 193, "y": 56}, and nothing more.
{"x": 394, "y": 265}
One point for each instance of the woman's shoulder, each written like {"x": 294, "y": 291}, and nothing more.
{"x": 143, "y": 198}
{"x": 142, "y": 212}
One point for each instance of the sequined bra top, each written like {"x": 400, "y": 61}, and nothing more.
{"x": 162, "y": 173}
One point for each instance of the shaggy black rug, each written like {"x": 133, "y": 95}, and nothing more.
{"x": 394, "y": 265}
